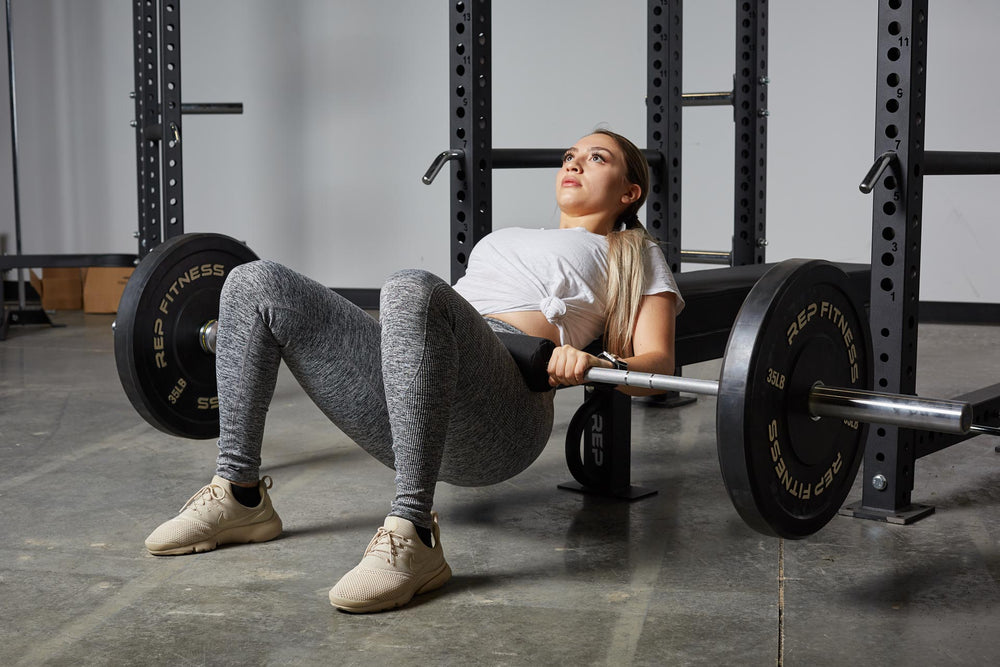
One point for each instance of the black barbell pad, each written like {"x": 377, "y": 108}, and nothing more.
{"x": 531, "y": 354}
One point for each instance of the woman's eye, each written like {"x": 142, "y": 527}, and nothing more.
{"x": 596, "y": 158}
{"x": 567, "y": 157}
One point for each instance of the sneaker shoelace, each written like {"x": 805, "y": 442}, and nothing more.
{"x": 386, "y": 544}
{"x": 211, "y": 492}
{"x": 204, "y": 495}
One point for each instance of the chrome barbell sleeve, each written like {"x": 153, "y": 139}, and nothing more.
{"x": 925, "y": 414}
{"x": 207, "y": 334}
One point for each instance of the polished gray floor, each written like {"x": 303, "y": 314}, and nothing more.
{"x": 542, "y": 576}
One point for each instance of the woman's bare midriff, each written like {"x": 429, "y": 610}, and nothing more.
{"x": 531, "y": 322}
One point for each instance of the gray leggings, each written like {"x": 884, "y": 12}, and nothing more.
{"x": 428, "y": 390}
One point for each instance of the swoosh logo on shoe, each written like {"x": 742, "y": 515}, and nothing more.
{"x": 420, "y": 558}
{"x": 224, "y": 522}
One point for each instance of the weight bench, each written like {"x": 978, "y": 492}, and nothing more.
{"x": 713, "y": 299}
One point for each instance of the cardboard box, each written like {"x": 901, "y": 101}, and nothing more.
{"x": 103, "y": 287}
{"x": 61, "y": 289}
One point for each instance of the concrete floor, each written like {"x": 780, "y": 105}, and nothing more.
{"x": 542, "y": 576}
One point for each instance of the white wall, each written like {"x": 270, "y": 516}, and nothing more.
{"x": 346, "y": 105}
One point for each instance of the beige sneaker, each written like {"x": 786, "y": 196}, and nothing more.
{"x": 213, "y": 517}
{"x": 396, "y": 566}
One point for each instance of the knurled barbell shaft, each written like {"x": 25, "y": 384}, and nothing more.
{"x": 652, "y": 381}
{"x": 925, "y": 414}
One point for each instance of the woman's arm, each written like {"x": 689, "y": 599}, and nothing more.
{"x": 653, "y": 340}
{"x": 652, "y": 343}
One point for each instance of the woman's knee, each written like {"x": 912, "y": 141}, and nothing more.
{"x": 250, "y": 281}
{"x": 409, "y": 287}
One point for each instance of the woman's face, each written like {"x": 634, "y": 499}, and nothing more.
{"x": 593, "y": 179}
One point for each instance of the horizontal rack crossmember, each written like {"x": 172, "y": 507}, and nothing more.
{"x": 721, "y": 257}
{"x": 64, "y": 261}
{"x": 954, "y": 163}
{"x": 211, "y": 108}
{"x": 544, "y": 158}
{"x": 721, "y": 99}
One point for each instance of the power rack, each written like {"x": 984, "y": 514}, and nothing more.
{"x": 896, "y": 182}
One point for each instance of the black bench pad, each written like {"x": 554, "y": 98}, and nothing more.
{"x": 713, "y": 298}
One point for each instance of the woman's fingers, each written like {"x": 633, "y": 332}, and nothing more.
{"x": 568, "y": 365}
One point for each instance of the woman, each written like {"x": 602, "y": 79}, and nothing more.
{"x": 429, "y": 390}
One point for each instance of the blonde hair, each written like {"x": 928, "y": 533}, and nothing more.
{"x": 626, "y": 256}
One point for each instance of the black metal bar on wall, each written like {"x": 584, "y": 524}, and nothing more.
{"x": 211, "y": 108}
{"x": 548, "y": 158}
{"x": 471, "y": 128}
{"x": 145, "y": 22}
{"x": 64, "y": 261}
{"x": 170, "y": 110}
{"x": 959, "y": 162}
{"x": 664, "y": 107}
{"x": 750, "y": 115}
{"x": 896, "y": 229}
{"x": 949, "y": 312}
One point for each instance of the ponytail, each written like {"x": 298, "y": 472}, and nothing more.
{"x": 626, "y": 283}
{"x": 626, "y": 257}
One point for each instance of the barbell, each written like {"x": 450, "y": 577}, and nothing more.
{"x": 927, "y": 414}
{"x": 793, "y": 395}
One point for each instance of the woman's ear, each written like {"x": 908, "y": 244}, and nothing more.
{"x": 632, "y": 194}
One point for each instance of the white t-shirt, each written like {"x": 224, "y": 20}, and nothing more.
{"x": 561, "y": 272}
